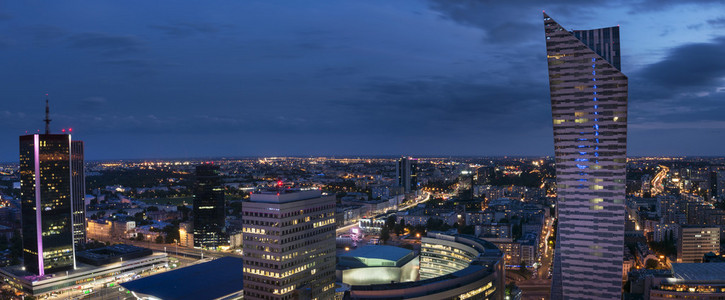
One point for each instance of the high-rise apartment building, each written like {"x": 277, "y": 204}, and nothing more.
{"x": 694, "y": 242}
{"x": 46, "y": 195}
{"x": 209, "y": 215}
{"x": 289, "y": 245}
{"x": 589, "y": 110}
{"x": 78, "y": 193}
{"x": 407, "y": 171}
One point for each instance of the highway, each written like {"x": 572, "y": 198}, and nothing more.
{"x": 657, "y": 186}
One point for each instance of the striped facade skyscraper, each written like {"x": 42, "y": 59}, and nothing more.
{"x": 589, "y": 111}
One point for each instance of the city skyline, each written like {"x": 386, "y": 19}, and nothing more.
{"x": 222, "y": 76}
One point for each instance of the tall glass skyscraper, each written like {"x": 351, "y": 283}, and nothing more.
{"x": 209, "y": 216}
{"x": 589, "y": 111}
{"x": 78, "y": 184}
{"x": 45, "y": 186}
{"x": 407, "y": 171}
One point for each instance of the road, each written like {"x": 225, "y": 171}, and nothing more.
{"x": 657, "y": 186}
{"x": 545, "y": 250}
{"x": 535, "y": 289}
{"x": 422, "y": 199}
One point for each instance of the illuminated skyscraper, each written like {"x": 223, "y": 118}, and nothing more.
{"x": 209, "y": 217}
{"x": 589, "y": 110}
{"x": 45, "y": 186}
{"x": 289, "y": 245}
{"x": 407, "y": 171}
{"x": 78, "y": 185}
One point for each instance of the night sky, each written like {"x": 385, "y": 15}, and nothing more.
{"x": 165, "y": 79}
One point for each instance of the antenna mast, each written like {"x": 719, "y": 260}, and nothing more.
{"x": 47, "y": 115}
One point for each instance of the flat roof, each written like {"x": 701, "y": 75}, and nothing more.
{"x": 383, "y": 252}
{"x": 210, "y": 280}
{"x": 699, "y": 271}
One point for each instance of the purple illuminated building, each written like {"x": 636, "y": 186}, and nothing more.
{"x": 589, "y": 111}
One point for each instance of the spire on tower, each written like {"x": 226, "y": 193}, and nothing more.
{"x": 47, "y": 115}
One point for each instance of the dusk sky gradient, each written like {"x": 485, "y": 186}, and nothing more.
{"x": 168, "y": 79}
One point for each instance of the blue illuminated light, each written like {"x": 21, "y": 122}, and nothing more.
{"x": 595, "y": 106}
{"x": 581, "y": 159}
{"x": 597, "y": 140}
{"x": 594, "y": 79}
{"x": 596, "y": 126}
{"x": 594, "y": 59}
{"x": 595, "y": 86}
{"x": 596, "y": 154}
{"x": 582, "y": 166}
{"x": 593, "y": 65}
{"x": 596, "y": 133}
{"x": 582, "y": 153}
{"x": 594, "y": 72}
{"x": 582, "y": 179}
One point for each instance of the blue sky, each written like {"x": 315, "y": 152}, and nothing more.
{"x": 155, "y": 79}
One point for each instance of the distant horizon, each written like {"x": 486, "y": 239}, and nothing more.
{"x": 227, "y": 157}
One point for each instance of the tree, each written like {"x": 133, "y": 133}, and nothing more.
{"x": 651, "y": 264}
{"x": 385, "y": 234}
{"x": 159, "y": 239}
{"x": 139, "y": 237}
{"x": 390, "y": 221}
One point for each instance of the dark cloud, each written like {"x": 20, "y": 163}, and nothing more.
{"x": 690, "y": 65}
{"x": 43, "y": 34}
{"x": 185, "y": 29}
{"x": 718, "y": 22}
{"x": 106, "y": 43}
{"x": 438, "y": 104}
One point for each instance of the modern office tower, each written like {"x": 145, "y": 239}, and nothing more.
{"x": 289, "y": 245}
{"x": 589, "y": 110}
{"x": 720, "y": 184}
{"x": 694, "y": 242}
{"x": 78, "y": 194}
{"x": 46, "y": 193}
{"x": 209, "y": 217}
{"x": 407, "y": 170}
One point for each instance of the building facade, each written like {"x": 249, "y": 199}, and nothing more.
{"x": 78, "y": 203}
{"x": 209, "y": 216}
{"x": 694, "y": 241}
{"x": 589, "y": 111}
{"x": 46, "y": 193}
{"x": 289, "y": 245}
{"x": 407, "y": 171}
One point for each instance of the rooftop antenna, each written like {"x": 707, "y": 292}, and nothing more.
{"x": 47, "y": 115}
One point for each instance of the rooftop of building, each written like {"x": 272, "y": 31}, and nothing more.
{"x": 110, "y": 254}
{"x": 283, "y": 195}
{"x": 210, "y": 280}
{"x": 375, "y": 255}
{"x": 699, "y": 271}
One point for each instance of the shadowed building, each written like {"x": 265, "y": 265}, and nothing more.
{"x": 407, "y": 171}
{"x": 78, "y": 194}
{"x": 45, "y": 186}
{"x": 209, "y": 217}
{"x": 589, "y": 111}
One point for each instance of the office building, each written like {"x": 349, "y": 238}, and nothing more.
{"x": 589, "y": 111}
{"x": 78, "y": 194}
{"x": 45, "y": 186}
{"x": 289, "y": 245}
{"x": 694, "y": 242}
{"x": 209, "y": 216}
{"x": 407, "y": 171}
